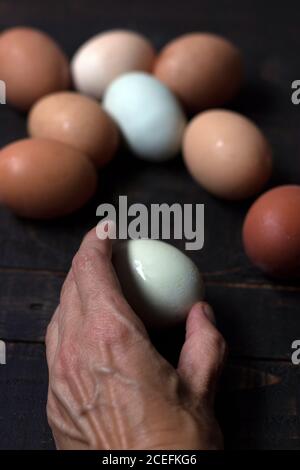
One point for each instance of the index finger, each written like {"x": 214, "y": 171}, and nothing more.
{"x": 97, "y": 282}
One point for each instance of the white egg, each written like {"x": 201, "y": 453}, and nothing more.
{"x": 148, "y": 114}
{"x": 108, "y": 55}
{"x": 159, "y": 281}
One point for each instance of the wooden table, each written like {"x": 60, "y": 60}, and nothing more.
{"x": 259, "y": 400}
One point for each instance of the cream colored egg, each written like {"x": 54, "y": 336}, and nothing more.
{"x": 106, "y": 56}
{"x": 159, "y": 281}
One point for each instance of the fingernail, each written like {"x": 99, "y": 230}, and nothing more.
{"x": 209, "y": 313}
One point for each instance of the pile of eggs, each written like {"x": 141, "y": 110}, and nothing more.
{"x": 127, "y": 92}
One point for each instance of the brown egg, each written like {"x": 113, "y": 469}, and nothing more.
{"x": 32, "y": 65}
{"x": 227, "y": 154}
{"x": 41, "y": 178}
{"x": 203, "y": 70}
{"x": 78, "y": 121}
{"x": 271, "y": 231}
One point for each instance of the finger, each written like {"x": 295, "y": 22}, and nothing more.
{"x": 92, "y": 267}
{"x": 70, "y": 313}
{"x": 96, "y": 280}
{"x": 104, "y": 232}
{"x": 203, "y": 353}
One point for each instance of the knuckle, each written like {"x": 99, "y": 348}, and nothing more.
{"x": 64, "y": 290}
{"x": 217, "y": 340}
{"x": 84, "y": 260}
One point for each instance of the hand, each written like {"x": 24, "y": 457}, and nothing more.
{"x": 108, "y": 386}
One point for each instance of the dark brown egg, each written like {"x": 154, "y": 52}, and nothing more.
{"x": 271, "y": 232}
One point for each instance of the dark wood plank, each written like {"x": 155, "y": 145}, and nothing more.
{"x": 27, "y": 304}
{"x": 256, "y": 322}
{"x": 258, "y": 403}
{"x": 259, "y": 406}
{"x": 23, "y": 385}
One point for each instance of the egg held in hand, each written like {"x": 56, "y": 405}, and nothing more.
{"x": 271, "y": 232}
{"x": 41, "y": 178}
{"x": 148, "y": 115}
{"x": 160, "y": 282}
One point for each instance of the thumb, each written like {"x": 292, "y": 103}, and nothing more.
{"x": 203, "y": 353}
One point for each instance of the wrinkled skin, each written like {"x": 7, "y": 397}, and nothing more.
{"x": 108, "y": 386}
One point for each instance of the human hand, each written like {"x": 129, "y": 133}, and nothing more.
{"x": 108, "y": 386}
